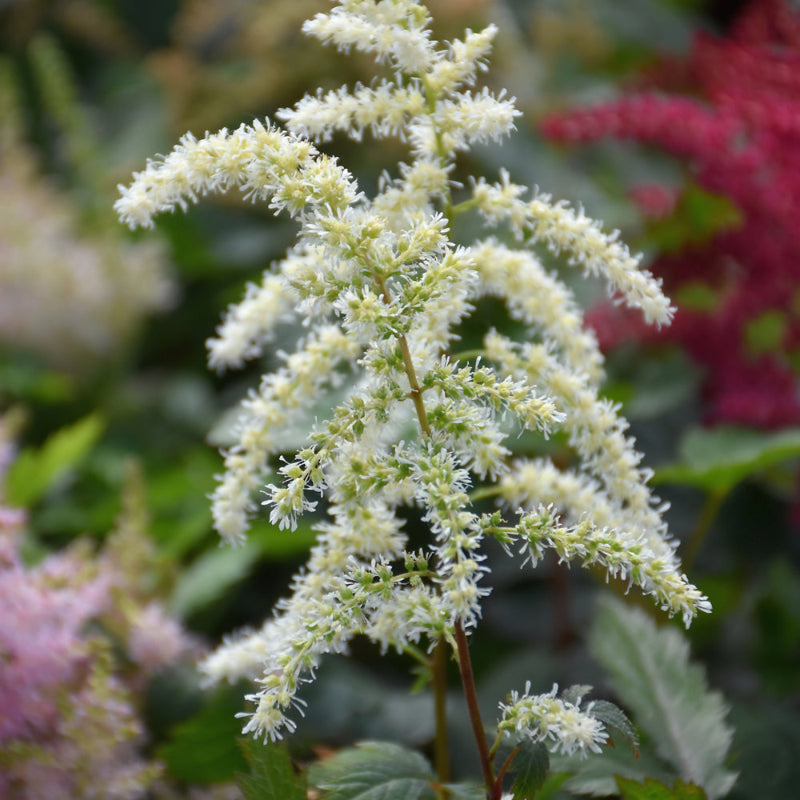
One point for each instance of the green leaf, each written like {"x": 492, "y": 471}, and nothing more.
{"x": 374, "y": 771}
{"x": 552, "y": 784}
{"x": 670, "y": 699}
{"x": 210, "y": 575}
{"x": 35, "y": 471}
{"x": 718, "y": 459}
{"x": 612, "y": 716}
{"x": 594, "y": 775}
{"x": 271, "y": 776}
{"x": 698, "y": 216}
{"x": 465, "y": 791}
{"x": 203, "y": 750}
{"x": 23, "y": 378}
{"x": 529, "y": 769}
{"x": 696, "y": 296}
{"x": 766, "y": 332}
{"x": 653, "y": 790}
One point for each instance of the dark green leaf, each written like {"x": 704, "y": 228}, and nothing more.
{"x": 271, "y": 776}
{"x": 653, "y": 790}
{"x": 529, "y": 769}
{"x": 203, "y": 749}
{"x": 374, "y": 771}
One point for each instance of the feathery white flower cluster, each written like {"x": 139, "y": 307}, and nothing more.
{"x": 382, "y": 288}
{"x": 566, "y": 726}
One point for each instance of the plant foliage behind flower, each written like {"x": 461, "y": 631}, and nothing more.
{"x": 381, "y": 289}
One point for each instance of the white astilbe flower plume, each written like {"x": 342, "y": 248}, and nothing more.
{"x": 381, "y": 289}
{"x": 565, "y": 726}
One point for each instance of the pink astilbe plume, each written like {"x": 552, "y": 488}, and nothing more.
{"x": 737, "y": 128}
{"x": 44, "y": 611}
{"x": 70, "y": 707}
{"x": 69, "y": 726}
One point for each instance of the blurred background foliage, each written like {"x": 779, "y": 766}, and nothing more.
{"x": 102, "y": 357}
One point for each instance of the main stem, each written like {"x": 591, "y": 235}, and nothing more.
{"x": 471, "y": 695}
{"x": 438, "y": 663}
{"x": 441, "y": 753}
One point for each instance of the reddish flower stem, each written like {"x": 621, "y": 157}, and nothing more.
{"x": 468, "y": 682}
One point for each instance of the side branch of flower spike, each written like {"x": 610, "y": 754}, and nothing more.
{"x": 621, "y": 554}
{"x": 260, "y": 160}
{"x": 562, "y": 228}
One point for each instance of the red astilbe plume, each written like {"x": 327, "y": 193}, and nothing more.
{"x": 737, "y": 128}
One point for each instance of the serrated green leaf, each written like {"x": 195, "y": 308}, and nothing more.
{"x": 653, "y": 790}
{"x": 374, "y": 771}
{"x": 612, "y": 716}
{"x": 208, "y": 577}
{"x": 271, "y": 776}
{"x": 203, "y": 749}
{"x": 34, "y": 471}
{"x": 529, "y": 769}
{"x": 718, "y": 459}
{"x": 670, "y": 699}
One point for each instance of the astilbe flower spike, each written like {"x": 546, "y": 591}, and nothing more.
{"x": 741, "y": 139}
{"x": 381, "y": 288}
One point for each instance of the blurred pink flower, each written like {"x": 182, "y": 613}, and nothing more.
{"x": 156, "y": 640}
{"x": 42, "y": 650}
{"x": 739, "y": 135}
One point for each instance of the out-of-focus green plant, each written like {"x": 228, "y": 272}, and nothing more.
{"x": 229, "y": 59}
{"x": 72, "y": 290}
